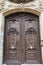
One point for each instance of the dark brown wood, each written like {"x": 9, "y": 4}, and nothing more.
{"x": 22, "y": 39}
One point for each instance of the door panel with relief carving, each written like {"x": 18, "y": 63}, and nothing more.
{"x": 22, "y": 39}
{"x": 32, "y": 40}
{"x": 12, "y": 40}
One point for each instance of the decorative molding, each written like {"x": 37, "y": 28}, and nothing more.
{"x": 7, "y": 5}
{"x": 41, "y": 5}
{"x": 29, "y": 10}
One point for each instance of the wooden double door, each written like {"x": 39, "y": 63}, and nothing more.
{"x": 22, "y": 39}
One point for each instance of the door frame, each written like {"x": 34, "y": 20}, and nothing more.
{"x": 22, "y": 10}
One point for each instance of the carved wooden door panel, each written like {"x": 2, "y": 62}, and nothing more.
{"x": 32, "y": 40}
{"x": 12, "y": 48}
{"x": 22, "y": 40}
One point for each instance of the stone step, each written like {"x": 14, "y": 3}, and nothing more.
{"x": 27, "y": 64}
{"x": 31, "y": 64}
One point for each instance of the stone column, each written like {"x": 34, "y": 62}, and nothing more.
{"x": 1, "y": 37}
{"x": 41, "y": 32}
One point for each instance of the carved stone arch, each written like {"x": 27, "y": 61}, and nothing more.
{"x": 29, "y": 10}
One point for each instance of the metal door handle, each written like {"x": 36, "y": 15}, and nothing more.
{"x": 13, "y": 48}
{"x": 31, "y": 48}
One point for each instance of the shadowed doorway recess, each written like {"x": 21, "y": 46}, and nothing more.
{"x": 21, "y": 1}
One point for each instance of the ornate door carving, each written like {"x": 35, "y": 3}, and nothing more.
{"x": 22, "y": 40}
{"x": 32, "y": 41}
{"x": 12, "y": 40}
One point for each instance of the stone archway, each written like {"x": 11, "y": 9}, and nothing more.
{"x": 22, "y": 10}
{"x": 29, "y": 10}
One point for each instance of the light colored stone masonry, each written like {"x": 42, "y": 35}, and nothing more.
{"x": 6, "y": 6}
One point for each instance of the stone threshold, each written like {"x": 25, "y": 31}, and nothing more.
{"x": 31, "y": 64}
{"x": 27, "y": 64}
